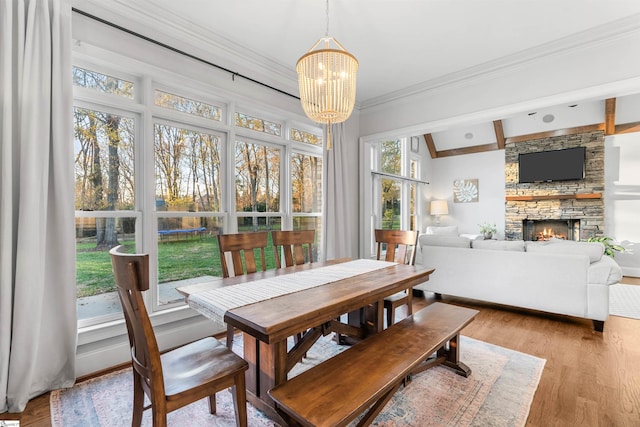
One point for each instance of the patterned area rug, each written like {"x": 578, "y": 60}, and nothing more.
{"x": 624, "y": 300}
{"x": 498, "y": 393}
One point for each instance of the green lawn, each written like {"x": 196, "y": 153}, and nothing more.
{"x": 177, "y": 260}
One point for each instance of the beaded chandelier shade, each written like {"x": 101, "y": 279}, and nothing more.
{"x": 327, "y": 82}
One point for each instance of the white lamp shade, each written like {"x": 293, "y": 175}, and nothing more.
{"x": 439, "y": 207}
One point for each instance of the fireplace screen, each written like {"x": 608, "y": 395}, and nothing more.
{"x": 567, "y": 229}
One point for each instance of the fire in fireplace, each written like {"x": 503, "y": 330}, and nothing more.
{"x": 567, "y": 229}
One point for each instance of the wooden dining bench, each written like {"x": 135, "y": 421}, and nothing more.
{"x": 366, "y": 375}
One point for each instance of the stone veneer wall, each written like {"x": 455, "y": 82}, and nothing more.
{"x": 589, "y": 211}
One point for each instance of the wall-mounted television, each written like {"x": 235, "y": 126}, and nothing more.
{"x": 548, "y": 166}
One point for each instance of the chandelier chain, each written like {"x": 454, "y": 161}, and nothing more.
{"x": 326, "y": 34}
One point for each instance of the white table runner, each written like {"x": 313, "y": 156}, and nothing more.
{"x": 214, "y": 303}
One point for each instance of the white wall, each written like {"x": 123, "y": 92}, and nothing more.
{"x": 488, "y": 168}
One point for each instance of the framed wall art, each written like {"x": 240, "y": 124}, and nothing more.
{"x": 465, "y": 190}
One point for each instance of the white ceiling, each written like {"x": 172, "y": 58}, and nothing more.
{"x": 399, "y": 43}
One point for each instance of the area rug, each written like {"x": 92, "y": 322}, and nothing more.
{"x": 624, "y": 300}
{"x": 499, "y": 392}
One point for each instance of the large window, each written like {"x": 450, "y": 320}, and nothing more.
{"x": 393, "y": 182}
{"x": 164, "y": 169}
{"x": 306, "y": 193}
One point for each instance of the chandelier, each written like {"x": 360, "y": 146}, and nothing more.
{"x": 327, "y": 81}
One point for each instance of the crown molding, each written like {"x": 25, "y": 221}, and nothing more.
{"x": 146, "y": 17}
{"x": 585, "y": 39}
{"x": 158, "y": 23}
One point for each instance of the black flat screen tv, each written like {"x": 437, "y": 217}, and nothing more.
{"x": 548, "y": 166}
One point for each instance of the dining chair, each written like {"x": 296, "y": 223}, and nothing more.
{"x": 242, "y": 245}
{"x": 295, "y": 246}
{"x": 400, "y": 248}
{"x": 180, "y": 376}
{"x": 239, "y": 246}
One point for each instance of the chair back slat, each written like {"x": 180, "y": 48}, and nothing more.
{"x": 241, "y": 246}
{"x": 400, "y": 245}
{"x": 131, "y": 272}
{"x": 295, "y": 246}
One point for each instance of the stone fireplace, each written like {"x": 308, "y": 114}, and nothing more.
{"x": 546, "y": 229}
{"x": 578, "y": 205}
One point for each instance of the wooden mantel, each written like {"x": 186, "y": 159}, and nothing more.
{"x": 553, "y": 197}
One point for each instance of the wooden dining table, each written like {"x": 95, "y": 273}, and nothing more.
{"x": 313, "y": 308}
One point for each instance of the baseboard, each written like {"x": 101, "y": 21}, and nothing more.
{"x": 630, "y": 271}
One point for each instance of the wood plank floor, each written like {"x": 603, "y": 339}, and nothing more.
{"x": 589, "y": 379}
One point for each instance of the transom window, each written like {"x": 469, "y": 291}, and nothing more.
{"x": 187, "y": 105}
{"x": 258, "y": 124}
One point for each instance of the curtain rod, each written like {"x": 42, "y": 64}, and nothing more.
{"x": 398, "y": 177}
{"x": 234, "y": 74}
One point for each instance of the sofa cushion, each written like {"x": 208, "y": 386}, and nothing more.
{"x": 440, "y": 240}
{"x": 499, "y": 245}
{"x": 593, "y": 250}
{"x": 445, "y": 231}
{"x": 473, "y": 236}
{"x": 530, "y": 243}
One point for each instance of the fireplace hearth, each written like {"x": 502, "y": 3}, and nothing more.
{"x": 538, "y": 230}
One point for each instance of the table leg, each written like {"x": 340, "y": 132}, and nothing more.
{"x": 370, "y": 319}
{"x": 266, "y": 369}
{"x": 251, "y": 355}
{"x": 273, "y": 367}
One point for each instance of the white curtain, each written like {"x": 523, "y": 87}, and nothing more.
{"x": 38, "y": 325}
{"x": 338, "y": 215}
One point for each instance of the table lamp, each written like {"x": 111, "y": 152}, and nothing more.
{"x": 437, "y": 208}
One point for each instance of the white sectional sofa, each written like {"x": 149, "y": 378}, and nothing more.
{"x": 558, "y": 276}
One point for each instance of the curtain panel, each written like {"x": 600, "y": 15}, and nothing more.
{"x": 338, "y": 224}
{"x": 38, "y": 322}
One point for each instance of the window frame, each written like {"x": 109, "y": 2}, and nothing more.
{"x": 370, "y": 200}
{"x": 146, "y": 114}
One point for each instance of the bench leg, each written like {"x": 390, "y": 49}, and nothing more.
{"x": 452, "y": 356}
{"x": 378, "y": 406}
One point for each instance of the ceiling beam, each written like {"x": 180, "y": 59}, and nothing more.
{"x": 609, "y": 127}
{"x": 497, "y": 127}
{"x": 628, "y": 127}
{"x": 610, "y": 116}
{"x": 431, "y": 145}
{"x": 467, "y": 150}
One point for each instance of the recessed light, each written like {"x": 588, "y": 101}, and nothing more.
{"x": 468, "y": 135}
{"x": 548, "y": 118}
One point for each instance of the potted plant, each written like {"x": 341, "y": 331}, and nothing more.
{"x": 609, "y": 247}
{"x": 488, "y": 230}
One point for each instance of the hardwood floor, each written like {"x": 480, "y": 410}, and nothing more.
{"x": 589, "y": 379}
